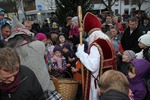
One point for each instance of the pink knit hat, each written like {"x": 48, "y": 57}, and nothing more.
{"x": 40, "y": 36}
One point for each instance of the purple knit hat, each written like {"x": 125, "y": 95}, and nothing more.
{"x": 67, "y": 46}
{"x": 130, "y": 53}
{"x": 40, "y": 36}
{"x": 57, "y": 48}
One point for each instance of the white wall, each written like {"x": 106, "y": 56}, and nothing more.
{"x": 121, "y": 7}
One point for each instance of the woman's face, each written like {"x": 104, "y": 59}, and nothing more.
{"x": 62, "y": 39}
{"x": 6, "y": 32}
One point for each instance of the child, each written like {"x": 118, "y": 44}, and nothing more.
{"x": 144, "y": 43}
{"x": 113, "y": 86}
{"x": 138, "y": 71}
{"x": 128, "y": 55}
{"x": 58, "y": 62}
{"x": 68, "y": 53}
{"x": 69, "y": 56}
{"x": 61, "y": 39}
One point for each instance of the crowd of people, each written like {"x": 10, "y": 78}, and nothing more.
{"x": 116, "y": 58}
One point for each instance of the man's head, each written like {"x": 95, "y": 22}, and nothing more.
{"x": 133, "y": 23}
{"x": 6, "y": 30}
{"x": 68, "y": 20}
{"x": 1, "y": 14}
{"x": 115, "y": 19}
{"x": 146, "y": 21}
{"x": 109, "y": 19}
{"x": 28, "y": 24}
{"x": 9, "y": 65}
{"x": 114, "y": 30}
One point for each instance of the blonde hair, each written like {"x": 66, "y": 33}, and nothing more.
{"x": 132, "y": 69}
{"x": 114, "y": 80}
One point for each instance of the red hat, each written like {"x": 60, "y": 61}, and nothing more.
{"x": 91, "y": 22}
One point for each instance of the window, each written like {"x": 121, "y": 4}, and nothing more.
{"x": 126, "y": 2}
{"x": 126, "y": 11}
{"x": 116, "y": 11}
{"x": 133, "y": 9}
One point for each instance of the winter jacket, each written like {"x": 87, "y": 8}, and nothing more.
{"x": 137, "y": 84}
{"x": 130, "y": 41}
{"x": 114, "y": 95}
{"x": 29, "y": 89}
{"x": 32, "y": 56}
{"x": 145, "y": 28}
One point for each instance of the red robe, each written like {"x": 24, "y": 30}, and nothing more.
{"x": 108, "y": 61}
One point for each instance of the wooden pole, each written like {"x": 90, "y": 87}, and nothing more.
{"x": 80, "y": 30}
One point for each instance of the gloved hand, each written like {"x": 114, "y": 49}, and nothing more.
{"x": 80, "y": 47}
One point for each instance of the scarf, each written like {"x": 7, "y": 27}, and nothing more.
{"x": 12, "y": 87}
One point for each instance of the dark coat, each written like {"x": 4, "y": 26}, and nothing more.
{"x": 130, "y": 42}
{"x": 29, "y": 88}
{"x": 144, "y": 28}
{"x": 114, "y": 95}
{"x": 65, "y": 30}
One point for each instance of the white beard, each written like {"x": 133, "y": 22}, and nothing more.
{"x": 95, "y": 35}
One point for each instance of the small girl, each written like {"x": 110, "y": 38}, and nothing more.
{"x": 138, "y": 71}
{"x": 61, "y": 39}
{"x": 58, "y": 62}
{"x": 128, "y": 55}
{"x": 69, "y": 56}
{"x": 144, "y": 43}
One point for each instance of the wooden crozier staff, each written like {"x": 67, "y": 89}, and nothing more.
{"x": 80, "y": 30}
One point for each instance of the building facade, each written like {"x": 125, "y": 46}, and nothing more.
{"x": 122, "y": 6}
{"x": 42, "y": 8}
